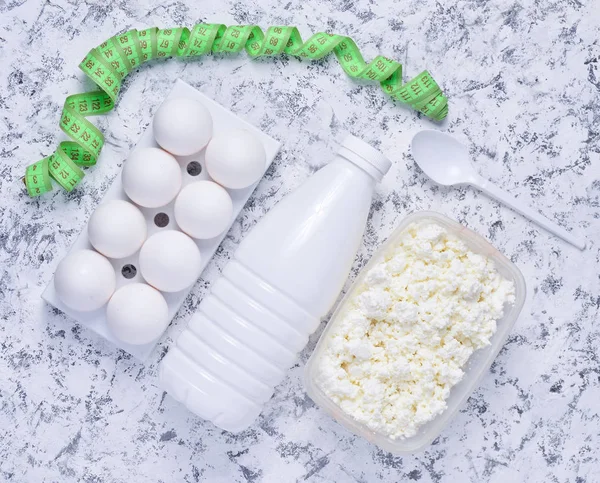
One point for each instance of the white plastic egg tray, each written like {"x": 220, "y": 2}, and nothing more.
{"x": 223, "y": 120}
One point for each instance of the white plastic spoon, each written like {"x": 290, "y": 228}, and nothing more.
{"x": 446, "y": 161}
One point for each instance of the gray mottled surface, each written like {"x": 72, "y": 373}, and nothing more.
{"x": 523, "y": 80}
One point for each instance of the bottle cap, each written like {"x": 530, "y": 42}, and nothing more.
{"x": 366, "y": 156}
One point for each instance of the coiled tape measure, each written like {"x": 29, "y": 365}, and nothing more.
{"x": 109, "y": 63}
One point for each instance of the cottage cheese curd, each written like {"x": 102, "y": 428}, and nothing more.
{"x": 405, "y": 334}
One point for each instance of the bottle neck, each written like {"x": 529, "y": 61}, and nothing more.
{"x": 360, "y": 162}
{"x": 344, "y": 165}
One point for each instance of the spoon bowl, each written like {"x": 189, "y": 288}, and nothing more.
{"x": 444, "y": 159}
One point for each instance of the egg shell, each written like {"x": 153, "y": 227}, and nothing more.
{"x": 84, "y": 280}
{"x": 203, "y": 209}
{"x": 235, "y": 159}
{"x": 182, "y": 126}
{"x": 137, "y": 314}
{"x": 170, "y": 261}
{"x": 117, "y": 229}
{"x": 151, "y": 177}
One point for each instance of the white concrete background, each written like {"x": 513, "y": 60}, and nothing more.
{"x": 523, "y": 80}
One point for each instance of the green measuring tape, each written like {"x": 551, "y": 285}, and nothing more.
{"x": 112, "y": 60}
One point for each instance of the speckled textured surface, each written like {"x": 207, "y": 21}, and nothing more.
{"x": 523, "y": 79}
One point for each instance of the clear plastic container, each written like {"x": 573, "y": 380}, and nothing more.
{"x": 476, "y": 367}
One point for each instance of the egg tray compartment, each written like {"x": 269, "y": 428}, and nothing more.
{"x": 163, "y": 218}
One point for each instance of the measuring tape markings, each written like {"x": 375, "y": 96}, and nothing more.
{"x": 109, "y": 63}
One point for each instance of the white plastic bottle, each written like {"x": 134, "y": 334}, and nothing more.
{"x": 285, "y": 276}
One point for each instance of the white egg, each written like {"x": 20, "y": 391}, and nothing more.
{"x": 170, "y": 261}
{"x": 203, "y": 209}
{"x": 151, "y": 177}
{"x": 84, "y": 280}
{"x": 235, "y": 159}
{"x": 137, "y": 314}
{"x": 117, "y": 229}
{"x": 182, "y": 126}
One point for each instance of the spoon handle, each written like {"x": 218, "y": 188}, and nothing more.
{"x": 520, "y": 207}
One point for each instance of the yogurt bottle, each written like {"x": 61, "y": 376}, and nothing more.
{"x": 285, "y": 276}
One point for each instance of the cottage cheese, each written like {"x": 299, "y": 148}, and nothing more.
{"x": 405, "y": 334}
